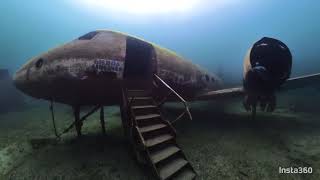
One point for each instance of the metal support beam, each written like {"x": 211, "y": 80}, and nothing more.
{"x": 53, "y": 120}
{"x": 81, "y": 120}
{"x": 102, "y": 120}
{"x": 78, "y": 122}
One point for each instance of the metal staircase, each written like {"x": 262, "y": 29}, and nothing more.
{"x": 153, "y": 138}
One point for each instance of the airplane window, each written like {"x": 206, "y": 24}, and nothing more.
{"x": 88, "y": 36}
{"x": 207, "y": 78}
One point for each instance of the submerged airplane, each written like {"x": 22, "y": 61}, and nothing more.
{"x": 94, "y": 69}
{"x": 91, "y": 69}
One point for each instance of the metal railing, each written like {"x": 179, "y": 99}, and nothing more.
{"x": 133, "y": 128}
{"x": 171, "y": 91}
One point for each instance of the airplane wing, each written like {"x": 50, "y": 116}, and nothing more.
{"x": 302, "y": 81}
{"x": 292, "y": 83}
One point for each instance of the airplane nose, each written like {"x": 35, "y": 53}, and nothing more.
{"x": 18, "y": 80}
{"x": 15, "y": 80}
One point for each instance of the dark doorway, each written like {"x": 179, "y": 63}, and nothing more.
{"x": 139, "y": 62}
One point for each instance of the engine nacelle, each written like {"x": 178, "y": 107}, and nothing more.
{"x": 267, "y": 66}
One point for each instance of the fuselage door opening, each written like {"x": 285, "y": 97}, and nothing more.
{"x": 140, "y": 62}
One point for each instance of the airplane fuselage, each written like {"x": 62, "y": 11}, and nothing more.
{"x": 92, "y": 69}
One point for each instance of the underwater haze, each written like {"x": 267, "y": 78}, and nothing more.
{"x": 213, "y": 34}
{"x": 223, "y": 140}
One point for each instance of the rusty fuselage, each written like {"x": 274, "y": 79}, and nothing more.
{"x": 91, "y": 70}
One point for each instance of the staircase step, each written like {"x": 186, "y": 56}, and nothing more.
{"x": 162, "y": 154}
{"x": 152, "y": 127}
{"x": 158, "y": 139}
{"x": 138, "y": 93}
{"x": 141, "y": 101}
{"x": 142, "y": 98}
{"x": 148, "y": 116}
{"x": 172, "y": 167}
{"x": 166, "y": 157}
{"x": 136, "y": 90}
{"x": 143, "y": 107}
{"x": 185, "y": 174}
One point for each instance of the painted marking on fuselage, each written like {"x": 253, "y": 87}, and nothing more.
{"x": 81, "y": 68}
{"x": 172, "y": 76}
{"x": 106, "y": 65}
{"x": 177, "y": 78}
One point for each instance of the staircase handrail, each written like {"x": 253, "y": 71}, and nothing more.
{"x": 186, "y": 111}
{"x": 140, "y": 137}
